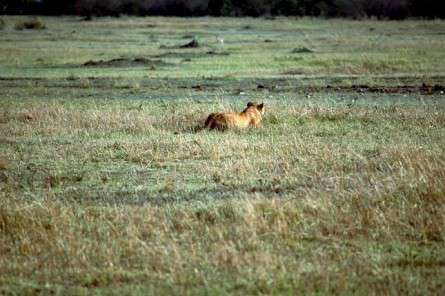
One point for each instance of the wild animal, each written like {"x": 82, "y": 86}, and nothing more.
{"x": 252, "y": 115}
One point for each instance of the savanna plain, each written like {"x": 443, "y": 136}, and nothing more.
{"x": 109, "y": 187}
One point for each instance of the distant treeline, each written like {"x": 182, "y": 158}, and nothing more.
{"x": 391, "y": 9}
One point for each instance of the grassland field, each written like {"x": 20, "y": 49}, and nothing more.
{"x": 106, "y": 187}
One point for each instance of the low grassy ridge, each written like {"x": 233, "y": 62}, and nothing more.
{"x": 107, "y": 187}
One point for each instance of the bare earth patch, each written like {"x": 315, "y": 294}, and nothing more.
{"x": 125, "y": 62}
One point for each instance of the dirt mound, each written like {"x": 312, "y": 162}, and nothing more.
{"x": 301, "y": 50}
{"x": 222, "y": 53}
{"x": 125, "y": 62}
{"x": 190, "y": 55}
{"x": 362, "y": 88}
{"x": 192, "y": 44}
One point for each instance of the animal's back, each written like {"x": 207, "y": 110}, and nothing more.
{"x": 227, "y": 120}
{"x": 217, "y": 121}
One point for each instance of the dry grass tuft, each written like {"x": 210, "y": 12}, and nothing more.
{"x": 57, "y": 119}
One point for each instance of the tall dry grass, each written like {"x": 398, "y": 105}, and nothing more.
{"x": 319, "y": 200}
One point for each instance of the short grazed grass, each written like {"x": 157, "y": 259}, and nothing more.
{"x": 107, "y": 187}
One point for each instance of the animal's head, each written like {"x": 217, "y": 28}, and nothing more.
{"x": 259, "y": 107}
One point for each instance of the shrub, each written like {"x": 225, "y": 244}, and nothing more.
{"x": 287, "y": 7}
{"x": 2, "y": 24}
{"x": 393, "y": 9}
{"x": 245, "y": 7}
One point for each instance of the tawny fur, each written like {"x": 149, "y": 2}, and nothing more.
{"x": 250, "y": 116}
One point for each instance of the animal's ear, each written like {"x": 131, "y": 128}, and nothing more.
{"x": 260, "y": 106}
{"x": 249, "y": 104}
